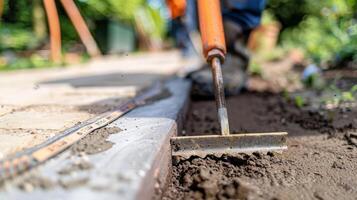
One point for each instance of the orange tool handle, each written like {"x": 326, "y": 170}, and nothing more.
{"x": 177, "y": 7}
{"x": 211, "y": 27}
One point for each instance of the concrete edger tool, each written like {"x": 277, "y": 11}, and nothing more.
{"x": 214, "y": 49}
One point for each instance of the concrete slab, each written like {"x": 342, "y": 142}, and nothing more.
{"x": 20, "y": 96}
{"x": 41, "y": 120}
{"x": 6, "y": 109}
{"x": 79, "y": 85}
{"x": 133, "y": 168}
{"x": 159, "y": 63}
{"x": 12, "y": 141}
{"x": 63, "y": 94}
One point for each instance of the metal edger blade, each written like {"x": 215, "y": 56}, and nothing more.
{"x": 218, "y": 145}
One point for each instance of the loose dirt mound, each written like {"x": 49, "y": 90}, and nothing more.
{"x": 208, "y": 178}
{"x": 321, "y": 162}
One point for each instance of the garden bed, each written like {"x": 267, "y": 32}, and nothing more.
{"x": 320, "y": 163}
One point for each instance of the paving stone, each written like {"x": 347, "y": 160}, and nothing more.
{"x": 21, "y": 96}
{"x": 80, "y": 99}
{"x": 12, "y": 141}
{"x": 41, "y": 120}
{"x": 6, "y": 109}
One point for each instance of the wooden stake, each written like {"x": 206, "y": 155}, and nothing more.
{"x": 1, "y": 7}
{"x": 55, "y": 30}
{"x": 81, "y": 27}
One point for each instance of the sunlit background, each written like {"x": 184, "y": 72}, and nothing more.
{"x": 324, "y": 31}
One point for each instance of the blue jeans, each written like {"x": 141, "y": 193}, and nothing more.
{"x": 181, "y": 27}
{"x": 246, "y": 13}
{"x": 239, "y": 16}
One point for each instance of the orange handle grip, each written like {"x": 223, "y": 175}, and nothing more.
{"x": 211, "y": 26}
{"x": 177, "y": 7}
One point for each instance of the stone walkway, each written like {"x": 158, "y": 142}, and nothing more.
{"x": 38, "y": 104}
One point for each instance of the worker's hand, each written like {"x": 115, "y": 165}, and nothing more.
{"x": 177, "y": 7}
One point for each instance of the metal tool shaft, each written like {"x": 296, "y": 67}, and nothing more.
{"x": 220, "y": 96}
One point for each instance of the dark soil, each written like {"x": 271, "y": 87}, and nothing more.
{"x": 321, "y": 162}
{"x": 256, "y": 112}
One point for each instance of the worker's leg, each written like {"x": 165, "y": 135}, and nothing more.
{"x": 181, "y": 28}
{"x": 240, "y": 17}
{"x": 191, "y": 16}
{"x": 179, "y": 33}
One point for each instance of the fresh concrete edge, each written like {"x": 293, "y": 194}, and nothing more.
{"x": 159, "y": 174}
{"x": 165, "y": 164}
{"x": 136, "y": 167}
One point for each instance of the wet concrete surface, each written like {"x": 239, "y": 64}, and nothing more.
{"x": 96, "y": 141}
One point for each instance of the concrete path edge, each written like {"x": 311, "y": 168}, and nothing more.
{"x": 136, "y": 167}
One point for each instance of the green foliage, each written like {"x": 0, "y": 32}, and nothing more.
{"x": 255, "y": 68}
{"x": 119, "y": 9}
{"x": 158, "y": 21}
{"x": 328, "y": 30}
{"x": 151, "y": 21}
{"x": 347, "y": 96}
{"x": 341, "y": 96}
{"x": 315, "y": 81}
{"x": 16, "y": 37}
{"x": 34, "y": 61}
{"x": 68, "y": 32}
{"x": 268, "y": 17}
{"x": 286, "y": 95}
{"x": 19, "y": 12}
{"x": 299, "y": 101}
{"x": 350, "y": 95}
{"x": 289, "y": 13}
{"x": 127, "y": 12}
{"x": 354, "y": 89}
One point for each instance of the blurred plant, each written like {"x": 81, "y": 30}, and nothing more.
{"x": 268, "y": 17}
{"x": 128, "y": 12}
{"x": 119, "y": 9}
{"x": 312, "y": 78}
{"x": 340, "y": 96}
{"x": 288, "y": 13}
{"x": 16, "y": 25}
{"x": 19, "y": 12}
{"x": 314, "y": 81}
{"x": 328, "y": 31}
{"x": 354, "y": 89}
{"x": 34, "y": 61}
{"x": 254, "y": 68}
{"x": 299, "y": 101}
{"x": 16, "y": 37}
{"x": 151, "y": 24}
